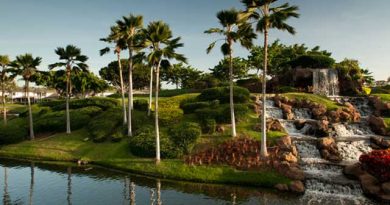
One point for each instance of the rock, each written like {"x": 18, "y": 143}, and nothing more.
{"x": 318, "y": 110}
{"x": 274, "y": 125}
{"x": 289, "y": 157}
{"x": 297, "y": 187}
{"x": 325, "y": 142}
{"x": 294, "y": 173}
{"x": 385, "y": 198}
{"x": 294, "y": 150}
{"x": 377, "y": 125}
{"x": 220, "y": 129}
{"x": 369, "y": 184}
{"x": 281, "y": 187}
{"x": 284, "y": 141}
{"x": 386, "y": 187}
{"x": 299, "y": 124}
{"x": 379, "y": 142}
{"x": 354, "y": 170}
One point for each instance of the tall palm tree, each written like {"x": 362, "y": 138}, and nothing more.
{"x": 115, "y": 37}
{"x": 130, "y": 31}
{"x": 158, "y": 36}
{"x": 26, "y": 66}
{"x": 234, "y": 28}
{"x": 71, "y": 60}
{"x": 4, "y": 79}
{"x": 268, "y": 17}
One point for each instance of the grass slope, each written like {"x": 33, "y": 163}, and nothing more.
{"x": 331, "y": 105}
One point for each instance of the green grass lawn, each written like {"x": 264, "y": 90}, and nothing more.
{"x": 63, "y": 147}
{"x": 331, "y": 105}
{"x": 383, "y": 97}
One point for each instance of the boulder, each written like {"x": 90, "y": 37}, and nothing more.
{"x": 386, "y": 187}
{"x": 369, "y": 184}
{"x": 325, "y": 142}
{"x": 289, "y": 157}
{"x": 284, "y": 141}
{"x": 377, "y": 125}
{"x": 297, "y": 187}
{"x": 299, "y": 124}
{"x": 220, "y": 129}
{"x": 274, "y": 125}
{"x": 294, "y": 173}
{"x": 354, "y": 170}
{"x": 281, "y": 187}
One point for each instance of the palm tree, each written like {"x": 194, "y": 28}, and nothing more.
{"x": 26, "y": 66}
{"x": 130, "y": 29}
{"x": 158, "y": 36}
{"x": 115, "y": 37}
{"x": 71, "y": 60}
{"x": 234, "y": 28}
{"x": 4, "y": 79}
{"x": 268, "y": 17}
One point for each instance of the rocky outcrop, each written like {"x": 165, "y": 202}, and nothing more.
{"x": 370, "y": 184}
{"x": 274, "y": 125}
{"x": 328, "y": 149}
{"x": 379, "y": 142}
{"x": 381, "y": 108}
{"x": 378, "y": 125}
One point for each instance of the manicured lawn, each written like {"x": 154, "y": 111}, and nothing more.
{"x": 331, "y": 105}
{"x": 384, "y": 97}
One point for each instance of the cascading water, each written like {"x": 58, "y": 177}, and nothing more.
{"x": 325, "y": 82}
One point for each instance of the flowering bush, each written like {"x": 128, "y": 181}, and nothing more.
{"x": 377, "y": 163}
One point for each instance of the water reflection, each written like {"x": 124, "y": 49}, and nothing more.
{"x": 50, "y": 184}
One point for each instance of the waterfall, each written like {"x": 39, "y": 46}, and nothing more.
{"x": 325, "y": 82}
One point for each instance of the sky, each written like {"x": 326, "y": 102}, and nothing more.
{"x": 357, "y": 29}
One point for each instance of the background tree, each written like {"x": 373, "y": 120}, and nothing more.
{"x": 268, "y": 17}
{"x": 234, "y": 29}
{"x": 351, "y": 77}
{"x": 183, "y": 76}
{"x": 240, "y": 69}
{"x": 120, "y": 44}
{"x": 26, "y": 66}
{"x": 71, "y": 61}
{"x": 158, "y": 36}
{"x": 130, "y": 27}
{"x": 5, "y": 79}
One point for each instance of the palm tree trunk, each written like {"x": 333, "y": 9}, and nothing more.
{"x": 69, "y": 191}
{"x": 122, "y": 89}
{"x": 30, "y": 117}
{"x": 150, "y": 91}
{"x": 158, "y": 189}
{"x": 31, "y": 183}
{"x": 263, "y": 150}
{"x": 233, "y": 120}
{"x": 156, "y": 114}
{"x": 67, "y": 100}
{"x": 130, "y": 94}
{"x": 3, "y": 102}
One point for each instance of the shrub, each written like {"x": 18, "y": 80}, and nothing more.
{"x": 104, "y": 124}
{"x": 169, "y": 116}
{"x": 141, "y": 104}
{"x": 15, "y": 131}
{"x": 104, "y": 103}
{"x": 191, "y": 107}
{"x": 208, "y": 126}
{"x": 221, "y": 114}
{"x": 143, "y": 144}
{"x": 140, "y": 119}
{"x": 253, "y": 84}
{"x": 313, "y": 61}
{"x": 118, "y": 135}
{"x": 240, "y": 95}
{"x": 184, "y": 135}
{"x": 377, "y": 163}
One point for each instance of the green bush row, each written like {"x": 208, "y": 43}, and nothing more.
{"x": 221, "y": 114}
{"x": 240, "y": 95}
{"x": 104, "y": 103}
{"x": 15, "y": 131}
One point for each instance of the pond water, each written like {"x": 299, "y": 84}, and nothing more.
{"x": 36, "y": 183}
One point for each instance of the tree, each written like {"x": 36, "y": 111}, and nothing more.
{"x": 158, "y": 36}
{"x": 180, "y": 75}
{"x": 4, "y": 80}
{"x": 26, "y": 66}
{"x": 240, "y": 69}
{"x": 234, "y": 29}
{"x": 72, "y": 61}
{"x": 129, "y": 31}
{"x": 87, "y": 83}
{"x": 268, "y": 17}
{"x": 367, "y": 77}
{"x": 351, "y": 78}
{"x": 115, "y": 37}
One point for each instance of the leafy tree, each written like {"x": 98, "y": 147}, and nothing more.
{"x": 4, "y": 80}
{"x": 130, "y": 29}
{"x": 120, "y": 44}
{"x": 240, "y": 69}
{"x": 180, "y": 75}
{"x": 268, "y": 17}
{"x": 88, "y": 83}
{"x": 158, "y": 36}
{"x": 26, "y": 66}
{"x": 351, "y": 77}
{"x": 368, "y": 78}
{"x": 73, "y": 62}
{"x": 234, "y": 29}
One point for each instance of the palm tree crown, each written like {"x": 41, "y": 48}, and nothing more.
{"x": 26, "y": 65}
{"x": 71, "y": 59}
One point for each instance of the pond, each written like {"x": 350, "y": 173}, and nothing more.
{"x": 36, "y": 183}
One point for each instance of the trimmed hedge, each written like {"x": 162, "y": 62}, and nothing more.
{"x": 208, "y": 126}
{"x": 170, "y": 116}
{"x": 104, "y": 103}
{"x": 192, "y": 106}
{"x": 105, "y": 124}
{"x": 184, "y": 135}
{"x": 240, "y": 95}
{"x": 221, "y": 114}
{"x": 143, "y": 144}
{"x": 313, "y": 61}
{"x": 15, "y": 131}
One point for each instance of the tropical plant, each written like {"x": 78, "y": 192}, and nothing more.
{"x": 234, "y": 28}
{"x": 129, "y": 31}
{"x": 158, "y": 36}
{"x": 71, "y": 61}
{"x": 268, "y": 17}
{"x": 4, "y": 80}
{"x": 26, "y": 66}
{"x": 115, "y": 37}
